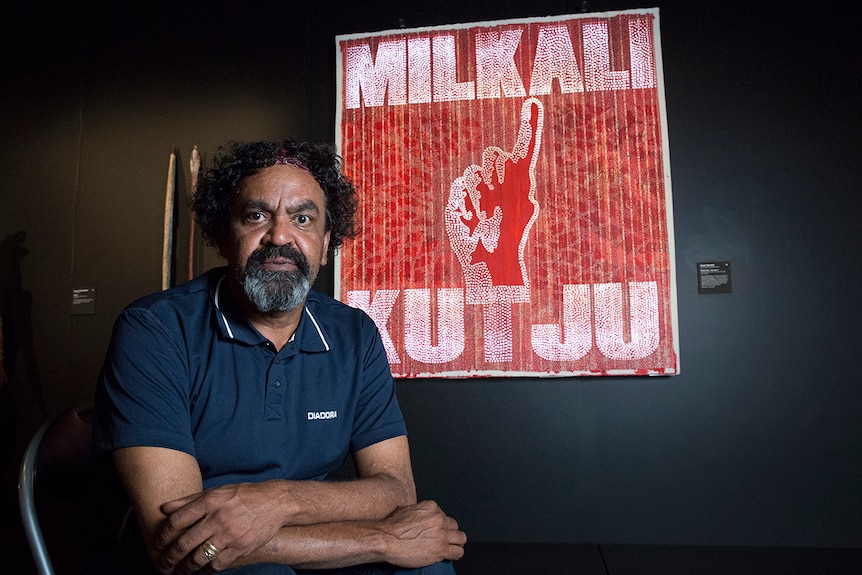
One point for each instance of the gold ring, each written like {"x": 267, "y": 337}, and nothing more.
{"x": 210, "y": 550}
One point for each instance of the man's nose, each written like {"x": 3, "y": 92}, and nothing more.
{"x": 280, "y": 232}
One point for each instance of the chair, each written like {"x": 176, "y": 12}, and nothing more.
{"x": 58, "y": 460}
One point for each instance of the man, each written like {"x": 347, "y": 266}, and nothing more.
{"x": 226, "y": 402}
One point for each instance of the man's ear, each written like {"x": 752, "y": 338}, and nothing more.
{"x": 324, "y": 259}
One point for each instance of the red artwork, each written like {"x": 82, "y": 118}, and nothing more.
{"x": 514, "y": 196}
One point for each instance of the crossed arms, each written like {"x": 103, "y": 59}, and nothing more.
{"x": 306, "y": 524}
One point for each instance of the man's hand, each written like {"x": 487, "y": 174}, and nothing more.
{"x": 491, "y": 210}
{"x": 422, "y": 534}
{"x": 236, "y": 519}
{"x": 244, "y": 521}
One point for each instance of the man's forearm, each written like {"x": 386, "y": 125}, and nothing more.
{"x": 413, "y": 536}
{"x": 386, "y": 483}
{"x": 316, "y": 502}
{"x": 321, "y": 546}
{"x": 288, "y": 503}
{"x": 239, "y": 519}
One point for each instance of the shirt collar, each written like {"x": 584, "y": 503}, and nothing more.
{"x": 309, "y": 335}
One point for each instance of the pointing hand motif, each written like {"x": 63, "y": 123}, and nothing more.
{"x": 490, "y": 212}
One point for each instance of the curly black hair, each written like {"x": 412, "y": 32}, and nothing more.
{"x": 219, "y": 185}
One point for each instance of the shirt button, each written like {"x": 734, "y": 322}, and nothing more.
{"x": 278, "y": 384}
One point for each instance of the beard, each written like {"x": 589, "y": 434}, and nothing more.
{"x": 275, "y": 290}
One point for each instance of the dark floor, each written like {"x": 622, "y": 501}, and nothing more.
{"x": 551, "y": 559}
{"x": 547, "y": 559}
{"x": 544, "y": 559}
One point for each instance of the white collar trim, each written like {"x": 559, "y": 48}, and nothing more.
{"x": 292, "y": 337}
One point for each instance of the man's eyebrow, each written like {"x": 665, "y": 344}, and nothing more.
{"x": 256, "y": 205}
{"x": 305, "y": 206}
{"x": 302, "y": 206}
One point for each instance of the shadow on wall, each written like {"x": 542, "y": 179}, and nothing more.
{"x": 20, "y": 391}
{"x": 20, "y": 385}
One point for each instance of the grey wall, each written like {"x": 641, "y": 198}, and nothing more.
{"x": 758, "y": 442}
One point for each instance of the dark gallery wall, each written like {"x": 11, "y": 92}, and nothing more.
{"x": 757, "y": 442}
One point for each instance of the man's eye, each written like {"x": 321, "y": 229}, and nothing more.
{"x": 254, "y": 216}
{"x": 303, "y": 219}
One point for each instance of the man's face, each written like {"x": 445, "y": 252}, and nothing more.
{"x": 278, "y": 239}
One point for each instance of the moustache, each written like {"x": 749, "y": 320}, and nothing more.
{"x": 287, "y": 252}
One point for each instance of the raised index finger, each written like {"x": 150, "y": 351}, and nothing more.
{"x": 530, "y": 131}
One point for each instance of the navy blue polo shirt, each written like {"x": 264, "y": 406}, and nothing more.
{"x": 185, "y": 370}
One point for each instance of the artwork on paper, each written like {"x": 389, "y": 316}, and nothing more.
{"x": 515, "y": 201}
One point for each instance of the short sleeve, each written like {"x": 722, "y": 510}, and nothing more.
{"x": 378, "y": 414}
{"x": 142, "y": 397}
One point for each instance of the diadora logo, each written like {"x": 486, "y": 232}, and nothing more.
{"x": 322, "y": 415}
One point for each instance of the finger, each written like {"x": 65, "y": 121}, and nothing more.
{"x": 530, "y": 131}
{"x": 175, "y": 504}
{"x": 455, "y": 552}
{"x": 459, "y": 538}
{"x": 186, "y": 549}
{"x": 172, "y": 506}
{"x": 203, "y": 556}
{"x": 209, "y": 550}
{"x": 177, "y": 536}
{"x": 185, "y": 512}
